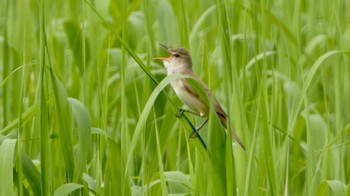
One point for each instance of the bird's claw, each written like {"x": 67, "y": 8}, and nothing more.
{"x": 182, "y": 111}
{"x": 194, "y": 134}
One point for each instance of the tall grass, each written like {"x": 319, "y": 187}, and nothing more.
{"x": 86, "y": 111}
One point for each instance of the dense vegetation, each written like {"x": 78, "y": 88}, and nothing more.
{"x": 85, "y": 109}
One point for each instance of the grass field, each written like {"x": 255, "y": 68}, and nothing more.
{"x": 85, "y": 110}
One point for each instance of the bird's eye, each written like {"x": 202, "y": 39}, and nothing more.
{"x": 176, "y": 55}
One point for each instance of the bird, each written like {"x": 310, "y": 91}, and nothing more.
{"x": 180, "y": 62}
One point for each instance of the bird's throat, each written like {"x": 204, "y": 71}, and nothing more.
{"x": 176, "y": 68}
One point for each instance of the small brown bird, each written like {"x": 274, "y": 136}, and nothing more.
{"x": 180, "y": 62}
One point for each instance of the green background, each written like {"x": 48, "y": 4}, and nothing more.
{"x": 84, "y": 109}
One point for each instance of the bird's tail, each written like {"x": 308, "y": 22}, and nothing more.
{"x": 239, "y": 141}
{"x": 233, "y": 133}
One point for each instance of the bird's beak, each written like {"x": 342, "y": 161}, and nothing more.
{"x": 164, "y": 58}
{"x": 164, "y": 46}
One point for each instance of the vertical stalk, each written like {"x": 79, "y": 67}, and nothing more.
{"x": 20, "y": 110}
{"x": 125, "y": 141}
{"x": 85, "y": 79}
{"x": 43, "y": 116}
{"x": 6, "y": 65}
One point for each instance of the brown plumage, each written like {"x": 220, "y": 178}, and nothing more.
{"x": 180, "y": 62}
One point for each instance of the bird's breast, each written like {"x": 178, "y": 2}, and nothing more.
{"x": 193, "y": 102}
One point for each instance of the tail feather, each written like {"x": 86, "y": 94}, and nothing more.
{"x": 223, "y": 120}
{"x": 235, "y": 136}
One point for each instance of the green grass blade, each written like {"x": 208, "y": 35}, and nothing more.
{"x": 279, "y": 70}
{"x": 84, "y": 138}
{"x": 5, "y": 64}
{"x": 334, "y": 186}
{"x": 127, "y": 48}
{"x": 43, "y": 117}
{"x": 160, "y": 163}
{"x": 310, "y": 76}
{"x": 27, "y": 115}
{"x": 145, "y": 113}
{"x": 219, "y": 156}
{"x": 31, "y": 173}
{"x": 64, "y": 125}
{"x": 200, "y": 21}
{"x": 7, "y": 156}
{"x": 67, "y": 189}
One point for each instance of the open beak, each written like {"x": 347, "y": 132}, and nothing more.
{"x": 164, "y": 46}
{"x": 164, "y": 58}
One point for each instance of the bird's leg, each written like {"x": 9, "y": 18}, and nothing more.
{"x": 182, "y": 111}
{"x": 195, "y": 134}
{"x": 196, "y": 130}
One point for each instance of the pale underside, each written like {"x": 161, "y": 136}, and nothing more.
{"x": 192, "y": 99}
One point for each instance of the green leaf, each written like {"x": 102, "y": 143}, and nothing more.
{"x": 144, "y": 115}
{"x": 7, "y": 154}
{"x": 67, "y": 189}
{"x": 90, "y": 181}
{"x": 318, "y": 129}
{"x": 259, "y": 57}
{"x": 178, "y": 182}
{"x": 64, "y": 124}
{"x": 337, "y": 187}
{"x": 31, "y": 173}
{"x": 198, "y": 89}
{"x": 309, "y": 79}
{"x": 27, "y": 115}
{"x": 217, "y": 153}
{"x": 75, "y": 39}
{"x": 200, "y": 21}
{"x": 82, "y": 118}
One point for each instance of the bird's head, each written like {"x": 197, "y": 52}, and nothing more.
{"x": 179, "y": 60}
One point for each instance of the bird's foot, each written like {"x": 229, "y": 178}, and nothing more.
{"x": 196, "y": 130}
{"x": 182, "y": 111}
{"x": 194, "y": 134}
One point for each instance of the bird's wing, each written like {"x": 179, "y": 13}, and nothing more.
{"x": 217, "y": 106}
{"x": 221, "y": 113}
